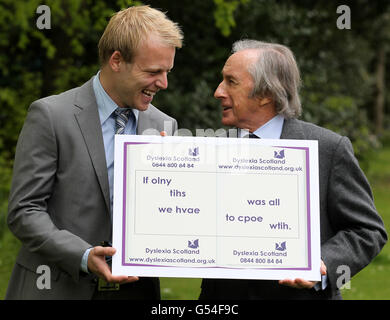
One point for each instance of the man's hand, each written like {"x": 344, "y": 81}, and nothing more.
{"x": 98, "y": 265}
{"x": 301, "y": 283}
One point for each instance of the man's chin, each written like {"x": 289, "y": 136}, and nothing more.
{"x": 142, "y": 107}
{"x": 228, "y": 122}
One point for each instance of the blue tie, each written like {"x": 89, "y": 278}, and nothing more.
{"x": 122, "y": 116}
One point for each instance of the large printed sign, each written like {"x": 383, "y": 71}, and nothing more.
{"x": 216, "y": 208}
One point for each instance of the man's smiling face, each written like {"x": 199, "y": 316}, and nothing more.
{"x": 140, "y": 80}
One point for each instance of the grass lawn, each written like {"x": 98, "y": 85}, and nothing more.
{"x": 180, "y": 289}
{"x": 9, "y": 247}
{"x": 373, "y": 282}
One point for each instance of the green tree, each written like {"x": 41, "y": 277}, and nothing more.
{"x": 37, "y": 63}
{"x": 343, "y": 71}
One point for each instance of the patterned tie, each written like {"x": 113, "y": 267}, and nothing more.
{"x": 122, "y": 116}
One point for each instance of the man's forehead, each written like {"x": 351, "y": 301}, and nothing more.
{"x": 155, "y": 56}
{"x": 238, "y": 62}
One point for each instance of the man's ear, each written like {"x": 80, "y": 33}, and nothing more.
{"x": 115, "y": 61}
{"x": 265, "y": 101}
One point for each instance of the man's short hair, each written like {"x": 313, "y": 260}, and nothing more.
{"x": 129, "y": 27}
{"x": 275, "y": 74}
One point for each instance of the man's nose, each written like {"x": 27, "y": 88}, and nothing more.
{"x": 219, "y": 92}
{"x": 162, "y": 81}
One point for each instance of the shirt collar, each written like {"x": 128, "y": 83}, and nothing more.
{"x": 106, "y": 105}
{"x": 270, "y": 130}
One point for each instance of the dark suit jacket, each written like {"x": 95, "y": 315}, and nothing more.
{"x": 59, "y": 199}
{"x": 352, "y": 232}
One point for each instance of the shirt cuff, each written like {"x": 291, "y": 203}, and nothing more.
{"x": 84, "y": 261}
{"x": 322, "y": 284}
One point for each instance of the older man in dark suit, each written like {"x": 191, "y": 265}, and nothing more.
{"x": 259, "y": 93}
{"x": 60, "y": 203}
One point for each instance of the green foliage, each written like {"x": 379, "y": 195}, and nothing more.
{"x": 373, "y": 282}
{"x": 337, "y": 66}
{"x": 9, "y": 247}
{"x": 196, "y": 108}
{"x": 5, "y": 180}
{"x": 341, "y": 114}
{"x": 38, "y": 62}
{"x": 224, "y": 14}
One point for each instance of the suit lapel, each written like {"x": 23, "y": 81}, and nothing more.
{"x": 141, "y": 126}
{"x": 89, "y": 123}
{"x": 145, "y": 122}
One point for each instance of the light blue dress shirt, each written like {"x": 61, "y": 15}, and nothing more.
{"x": 270, "y": 130}
{"x": 106, "y": 108}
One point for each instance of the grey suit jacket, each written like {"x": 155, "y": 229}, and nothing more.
{"x": 59, "y": 199}
{"x": 352, "y": 232}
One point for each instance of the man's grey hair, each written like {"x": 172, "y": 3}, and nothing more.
{"x": 275, "y": 74}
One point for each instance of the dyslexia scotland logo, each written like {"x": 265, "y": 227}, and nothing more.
{"x": 193, "y": 152}
{"x": 280, "y": 246}
{"x": 194, "y": 244}
{"x": 279, "y": 154}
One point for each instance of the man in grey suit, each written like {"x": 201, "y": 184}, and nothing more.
{"x": 60, "y": 204}
{"x": 259, "y": 93}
